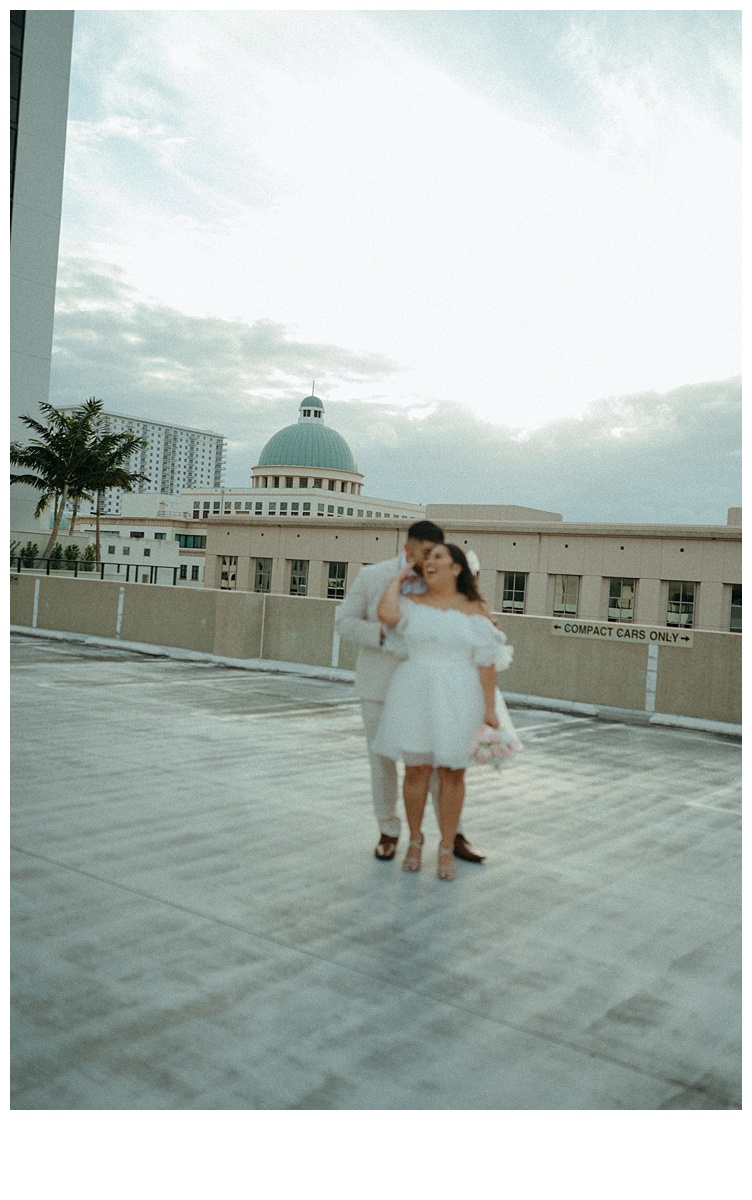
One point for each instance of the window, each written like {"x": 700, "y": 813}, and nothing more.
{"x": 229, "y": 572}
{"x": 566, "y": 593}
{"x": 215, "y": 506}
{"x": 294, "y": 508}
{"x": 133, "y": 534}
{"x": 735, "y": 625}
{"x": 238, "y": 504}
{"x": 262, "y": 577}
{"x": 335, "y": 588}
{"x": 332, "y": 485}
{"x": 228, "y": 507}
{"x": 330, "y": 510}
{"x": 681, "y": 603}
{"x": 259, "y": 507}
{"x": 360, "y": 512}
{"x": 183, "y": 571}
{"x": 288, "y": 481}
{"x": 110, "y": 549}
{"x": 621, "y": 599}
{"x": 369, "y": 512}
{"x": 206, "y": 505}
{"x": 304, "y": 481}
{"x": 160, "y": 537}
{"x": 340, "y": 511}
{"x": 298, "y": 577}
{"x": 283, "y": 508}
{"x": 191, "y": 541}
{"x": 194, "y": 572}
{"x": 306, "y": 509}
{"x": 512, "y": 585}
{"x": 317, "y": 483}
{"x": 126, "y": 551}
{"x": 248, "y": 504}
{"x": 272, "y": 508}
{"x": 349, "y": 512}
{"x": 275, "y": 481}
{"x": 147, "y": 552}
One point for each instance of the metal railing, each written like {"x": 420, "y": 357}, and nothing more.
{"x": 137, "y": 572}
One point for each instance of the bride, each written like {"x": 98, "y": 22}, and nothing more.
{"x": 440, "y": 694}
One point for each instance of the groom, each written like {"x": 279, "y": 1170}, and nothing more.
{"x": 355, "y": 620}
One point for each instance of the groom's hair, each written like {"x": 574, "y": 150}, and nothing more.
{"x": 425, "y": 531}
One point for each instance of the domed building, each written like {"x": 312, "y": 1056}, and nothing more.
{"x": 304, "y": 470}
{"x": 308, "y": 455}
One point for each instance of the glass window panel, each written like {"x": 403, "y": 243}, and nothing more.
{"x": 681, "y": 603}
{"x": 566, "y": 594}
{"x": 735, "y": 625}
{"x": 621, "y": 599}
{"x": 513, "y": 593}
{"x": 335, "y": 589}
{"x": 298, "y": 577}
{"x": 262, "y": 581}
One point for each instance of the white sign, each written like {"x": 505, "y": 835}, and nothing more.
{"x": 624, "y": 634}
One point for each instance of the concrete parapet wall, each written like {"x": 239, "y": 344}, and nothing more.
{"x": 698, "y": 681}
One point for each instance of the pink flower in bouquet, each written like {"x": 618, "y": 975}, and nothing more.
{"x": 493, "y": 746}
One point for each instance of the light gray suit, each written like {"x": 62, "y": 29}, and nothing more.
{"x": 356, "y": 621}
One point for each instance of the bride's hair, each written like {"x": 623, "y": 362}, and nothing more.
{"x": 465, "y": 580}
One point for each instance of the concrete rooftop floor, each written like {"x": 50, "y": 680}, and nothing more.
{"x": 199, "y": 921}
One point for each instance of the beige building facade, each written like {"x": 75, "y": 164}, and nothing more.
{"x": 683, "y": 576}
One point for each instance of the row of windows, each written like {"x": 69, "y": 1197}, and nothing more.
{"x": 680, "y": 611}
{"x": 304, "y": 481}
{"x": 297, "y": 579}
{"x": 286, "y": 508}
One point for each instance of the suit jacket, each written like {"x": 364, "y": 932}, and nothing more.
{"x": 356, "y": 621}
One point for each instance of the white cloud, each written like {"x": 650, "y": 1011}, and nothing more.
{"x": 676, "y": 457}
{"x": 305, "y": 169}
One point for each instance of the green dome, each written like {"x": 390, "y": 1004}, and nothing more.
{"x": 308, "y": 444}
{"x": 311, "y": 402}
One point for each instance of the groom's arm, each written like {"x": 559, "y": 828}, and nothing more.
{"x": 351, "y": 619}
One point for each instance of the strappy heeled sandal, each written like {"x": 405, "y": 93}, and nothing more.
{"x": 446, "y": 870}
{"x": 412, "y": 863}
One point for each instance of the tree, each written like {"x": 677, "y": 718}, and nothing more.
{"x": 53, "y": 460}
{"x": 104, "y": 467}
{"x": 73, "y": 457}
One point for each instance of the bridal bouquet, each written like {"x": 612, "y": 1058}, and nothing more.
{"x": 494, "y": 747}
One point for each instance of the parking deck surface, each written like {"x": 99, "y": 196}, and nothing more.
{"x": 199, "y": 921}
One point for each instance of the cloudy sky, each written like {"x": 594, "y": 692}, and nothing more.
{"x": 505, "y": 244}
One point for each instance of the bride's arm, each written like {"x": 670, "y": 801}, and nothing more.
{"x": 388, "y": 611}
{"x": 488, "y": 683}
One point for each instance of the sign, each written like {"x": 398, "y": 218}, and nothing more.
{"x": 624, "y": 634}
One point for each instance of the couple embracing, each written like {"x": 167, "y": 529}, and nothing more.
{"x": 426, "y": 678}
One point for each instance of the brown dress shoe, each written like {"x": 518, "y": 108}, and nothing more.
{"x": 386, "y": 847}
{"x": 463, "y": 849}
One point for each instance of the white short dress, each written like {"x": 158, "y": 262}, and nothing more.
{"x": 435, "y": 701}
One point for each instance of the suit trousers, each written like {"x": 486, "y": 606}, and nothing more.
{"x": 384, "y": 776}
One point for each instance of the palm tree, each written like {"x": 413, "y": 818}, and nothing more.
{"x": 73, "y": 457}
{"x": 53, "y": 460}
{"x": 105, "y": 467}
